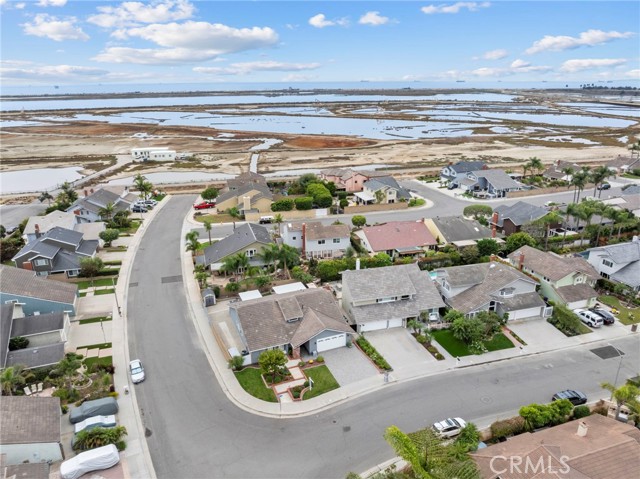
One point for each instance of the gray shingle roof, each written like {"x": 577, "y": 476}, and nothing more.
{"x": 576, "y": 292}
{"x": 33, "y": 470}
{"x": 63, "y": 235}
{"x": 631, "y": 190}
{"x": 102, "y": 197}
{"x": 37, "y": 356}
{"x": 45, "y": 223}
{"x": 39, "y": 324}
{"x": 316, "y": 230}
{"x": 467, "y": 166}
{"x": 550, "y": 265}
{"x": 21, "y": 282}
{"x": 519, "y": 213}
{"x": 456, "y": 228}
{"x": 88, "y": 247}
{"x": 264, "y": 326}
{"x": 243, "y": 236}
{"x": 399, "y": 280}
{"x": 65, "y": 261}
{"x": 244, "y": 188}
{"x": 381, "y": 181}
{"x": 620, "y": 253}
{"x": 629, "y": 275}
{"x": 498, "y": 178}
{"x": 37, "y": 248}
{"x": 29, "y": 420}
{"x": 522, "y": 301}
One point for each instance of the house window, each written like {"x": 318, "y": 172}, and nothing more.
{"x": 579, "y": 279}
{"x": 41, "y": 262}
{"x": 42, "y": 273}
{"x": 320, "y": 241}
{"x": 387, "y": 299}
{"x": 405, "y": 297}
{"x": 336, "y": 240}
{"x": 608, "y": 263}
{"x": 11, "y": 301}
{"x": 73, "y": 273}
{"x": 445, "y": 285}
{"x": 506, "y": 292}
{"x": 251, "y": 253}
{"x": 294, "y": 238}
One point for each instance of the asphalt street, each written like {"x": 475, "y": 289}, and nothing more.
{"x": 194, "y": 431}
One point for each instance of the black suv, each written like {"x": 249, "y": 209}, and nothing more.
{"x": 607, "y": 317}
{"x": 576, "y": 397}
{"x": 604, "y": 186}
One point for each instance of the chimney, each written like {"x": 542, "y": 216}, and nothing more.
{"x": 17, "y": 311}
{"x": 494, "y": 224}
{"x": 582, "y": 429}
{"x": 37, "y": 228}
{"x": 304, "y": 239}
{"x": 246, "y": 203}
{"x": 91, "y": 190}
{"x": 521, "y": 261}
{"x": 357, "y": 264}
{"x": 85, "y": 193}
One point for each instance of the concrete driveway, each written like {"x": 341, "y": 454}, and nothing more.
{"x": 399, "y": 348}
{"x": 348, "y": 365}
{"x": 537, "y": 333}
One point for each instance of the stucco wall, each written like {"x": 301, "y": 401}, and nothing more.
{"x": 378, "y": 207}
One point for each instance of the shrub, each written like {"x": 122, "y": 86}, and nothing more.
{"x": 421, "y": 338}
{"x": 296, "y": 391}
{"x": 507, "y": 427}
{"x": 344, "y": 203}
{"x": 18, "y": 342}
{"x": 216, "y": 291}
{"x": 375, "y": 356}
{"x": 301, "y": 364}
{"x": 416, "y": 202}
{"x": 304, "y": 203}
{"x": 236, "y": 363}
{"x": 209, "y": 193}
{"x": 285, "y": 204}
{"x": 232, "y": 287}
{"x": 320, "y": 359}
{"x": 121, "y": 445}
{"x": 358, "y": 221}
{"x": 64, "y": 408}
{"x": 477, "y": 211}
{"x": 581, "y": 411}
{"x": 109, "y": 236}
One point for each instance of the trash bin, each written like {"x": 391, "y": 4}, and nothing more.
{"x": 634, "y": 328}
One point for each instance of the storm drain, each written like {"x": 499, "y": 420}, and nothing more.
{"x": 133, "y": 285}
{"x": 172, "y": 279}
{"x": 607, "y": 352}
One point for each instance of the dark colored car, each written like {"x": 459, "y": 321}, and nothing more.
{"x": 576, "y": 397}
{"x": 604, "y": 186}
{"x": 607, "y": 317}
{"x": 205, "y": 205}
{"x": 138, "y": 209}
{"x": 99, "y": 407}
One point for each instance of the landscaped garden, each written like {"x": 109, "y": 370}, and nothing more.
{"x": 323, "y": 381}
{"x": 625, "y": 315}
{"x": 459, "y": 348}
{"x": 251, "y": 381}
{"x": 567, "y": 321}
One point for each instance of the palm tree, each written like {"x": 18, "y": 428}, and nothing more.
{"x": 270, "y": 255}
{"x": 235, "y": 264}
{"x": 147, "y": 188}
{"x": 278, "y": 219}
{"x": 107, "y": 212}
{"x": 605, "y": 212}
{"x": 45, "y": 196}
{"x": 289, "y": 257}
{"x": 553, "y": 217}
{"x": 587, "y": 208}
{"x": 207, "y": 227}
{"x": 579, "y": 180}
{"x": 139, "y": 181}
{"x": 598, "y": 176}
{"x": 624, "y": 219}
{"x": 121, "y": 218}
{"x": 242, "y": 264}
{"x": 626, "y": 394}
{"x": 568, "y": 172}
{"x": 68, "y": 368}
{"x": 635, "y": 149}
{"x": 192, "y": 241}
{"x": 535, "y": 165}
{"x": 67, "y": 194}
{"x": 10, "y": 379}
{"x": 235, "y": 215}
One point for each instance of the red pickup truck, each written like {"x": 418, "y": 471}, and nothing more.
{"x": 205, "y": 205}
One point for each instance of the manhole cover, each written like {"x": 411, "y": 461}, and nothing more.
{"x": 607, "y": 352}
{"x": 147, "y": 432}
{"x": 172, "y": 279}
{"x": 486, "y": 400}
{"x": 346, "y": 428}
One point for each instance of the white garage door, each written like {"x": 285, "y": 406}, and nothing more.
{"x": 525, "y": 313}
{"x": 332, "y": 342}
{"x": 384, "y": 324}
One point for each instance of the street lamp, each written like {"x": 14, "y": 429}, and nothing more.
{"x": 115, "y": 294}
{"x": 615, "y": 382}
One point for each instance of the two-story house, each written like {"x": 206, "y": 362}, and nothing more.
{"x": 248, "y": 239}
{"x": 87, "y": 209}
{"x": 453, "y": 174}
{"x": 38, "y": 225}
{"x": 618, "y": 262}
{"x": 492, "y": 286}
{"x": 382, "y": 190}
{"x": 556, "y": 171}
{"x": 316, "y": 240}
{"x": 57, "y": 251}
{"x": 348, "y": 180}
{"x": 248, "y": 192}
{"x": 388, "y": 297}
{"x": 458, "y": 230}
{"x": 509, "y": 219}
{"x": 565, "y": 280}
{"x": 397, "y": 238}
{"x": 488, "y": 183}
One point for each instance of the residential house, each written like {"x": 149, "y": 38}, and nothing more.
{"x": 47, "y": 335}
{"x": 565, "y": 280}
{"x": 624, "y": 164}
{"x": 457, "y": 230}
{"x": 510, "y": 219}
{"x": 382, "y": 190}
{"x": 349, "y": 180}
{"x": 388, "y": 297}
{"x": 307, "y": 321}
{"x": 488, "y": 183}
{"x": 30, "y": 429}
{"x": 492, "y": 286}
{"x": 57, "y": 251}
{"x": 317, "y": 240}
{"x": 155, "y": 153}
{"x": 454, "y": 174}
{"x": 618, "y": 262}
{"x": 87, "y": 209}
{"x": 397, "y": 238}
{"x": 37, "y": 294}
{"x": 38, "y": 225}
{"x": 26, "y": 470}
{"x": 628, "y": 201}
{"x": 555, "y": 171}
{"x": 248, "y": 192}
{"x": 248, "y": 239}
{"x": 594, "y": 447}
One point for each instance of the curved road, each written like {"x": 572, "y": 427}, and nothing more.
{"x": 195, "y": 432}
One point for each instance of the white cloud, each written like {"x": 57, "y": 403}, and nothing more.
{"x": 516, "y": 67}
{"x": 573, "y": 66}
{"x": 52, "y": 72}
{"x": 187, "y": 42}
{"x": 495, "y": 54}
{"x": 373, "y": 18}
{"x": 633, "y": 74}
{"x": 248, "y": 67}
{"x": 44, "y": 25}
{"x": 320, "y": 21}
{"x": 455, "y": 7}
{"x": 489, "y": 72}
{"x": 52, "y": 3}
{"x": 20, "y": 6}
{"x": 588, "y": 38}
{"x": 297, "y": 77}
{"x": 134, "y": 13}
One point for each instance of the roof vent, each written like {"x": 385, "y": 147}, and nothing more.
{"x": 582, "y": 429}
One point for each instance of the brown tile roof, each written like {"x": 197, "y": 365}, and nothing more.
{"x": 28, "y": 420}
{"x": 398, "y": 234}
{"x": 22, "y": 282}
{"x": 317, "y": 230}
{"x": 550, "y": 265}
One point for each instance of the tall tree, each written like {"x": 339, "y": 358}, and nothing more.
{"x": 627, "y": 394}
{"x": 536, "y": 165}
{"x": 106, "y": 213}
{"x": 90, "y": 267}
{"x": 139, "y": 182}
{"x": 270, "y": 255}
{"x": 598, "y": 176}
{"x": 45, "y": 196}
{"x": 207, "y": 227}
{"x": 289, "y": 257}
{"x": 10, "y": 379}
{"x": 635, "y": 149}
{"x": 234, "y": 212}
{"x": 579, "y": 181}
{"x": 192, "y": 241}
{"x": 272, "y": 361}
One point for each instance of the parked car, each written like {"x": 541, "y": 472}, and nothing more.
{"x": 450, "y": 427}
{"x": 266, "y": 220}
{"x": 575, "y": 397}
{"x": 95, "y": 421}
{"x": 137, "y": 371}
{"x": 150, "y": 203}
{"x": 204, "y": 205}
{"x": 93, "y": 460}
{"x": 607, "y": 317}
{"x": 589, "y": 317}
{"x": 104, "y": 407}
{"x": 604, "y": 186}
{"x": 137, "y": 208}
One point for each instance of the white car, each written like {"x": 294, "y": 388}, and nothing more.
{"x": 93, "y": 460}
{"x": 137, "y": 371}
{"x": 589, "y": 317}
{"x": 450, "y": 427}
{"x": 95, "y": 421}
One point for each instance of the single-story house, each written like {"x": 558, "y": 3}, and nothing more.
{"x": 397, "y": 238}
{"x": 381, "y": 190}
{"x": 316, "y": 240}
{"x": 453, "y": 174}
{"x": 38, "y": 225}
{"x": 625, "y": 202}
{"x": 388, "y": 297}
{"x": 565, "y": 280}
{"x": 30, "y": 429}
{"x": 87, "y": 209}
{"x": 154, "y": 153}
{"x": 249, "y": 239}
{"x": 59, "y": 250}
{"x": 248, "y": 192}
{"x": 457, "y": 230}
{"x": 618, "y": 262}
{"x": 488, "y": 183}
{"x": 308, "y": 321}
{"x": 510, "y": 219}
{"x": 624, "y": 164}
{"x": 37, "y": 294}
{"x": 492, "y": 286}
{"x": 556, "y": 171}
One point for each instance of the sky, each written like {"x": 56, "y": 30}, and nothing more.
{"x": 183, "y": 41}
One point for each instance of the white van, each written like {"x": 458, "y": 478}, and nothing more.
{"x": 266, "y": 220}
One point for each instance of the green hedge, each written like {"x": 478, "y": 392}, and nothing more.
{"x": 375, "y": 356}
{"x": 507, "y": 427}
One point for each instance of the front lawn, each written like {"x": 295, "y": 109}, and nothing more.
{"x": 97, "y": 319}
{"x": 626, "y": 315}
{"x": 219, "y": 218}
{"x": 323, "y": 381}
{"x": 106, "y": 361}
{"x": 97, "y": 282}
{"x": 104, "y": 291}
{"x": 458, "y": 348}
{"x": 251, "y": 380}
